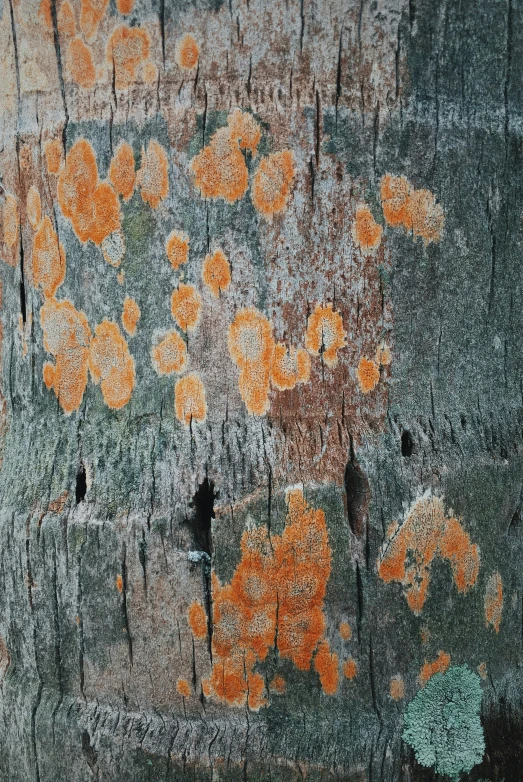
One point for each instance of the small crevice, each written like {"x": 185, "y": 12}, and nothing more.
{"x": 81, "y": 485}
{"x": 407, "y": 444}
{"x": 357, "y": 493}
{"x": 200, "y": 525}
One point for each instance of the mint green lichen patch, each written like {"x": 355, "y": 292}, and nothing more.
{"x": 442, "y": 722}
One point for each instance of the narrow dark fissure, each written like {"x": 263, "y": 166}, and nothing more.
{"x": 407, "y": 444}
{"x": 81, "y": 485}
{"x": 357, "y": 492}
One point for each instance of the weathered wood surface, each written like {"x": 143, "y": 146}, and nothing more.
{"x": 100, "y": 508}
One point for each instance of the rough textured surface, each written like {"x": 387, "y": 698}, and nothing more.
{"x": 119, "y": 510}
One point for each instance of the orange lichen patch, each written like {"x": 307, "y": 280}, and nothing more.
{"x": 278, "y": 685}
{"x": 439, "y": 665}
{"x": 271, "y": 185}
{"x": 48, "y": 259}
{"x": 368, "y": 374}
{"x": 119, "y": 583}
{"x": 169, "y": 355}
{"x": 424, "y": 634}
{"x": 494, "y": 601}
{"x": 425, "y": 534}
{"x": 383, "y": 355}
{"x": 113, "y": 248}
{"x": 245, "y": 129}
{"x": 66, "y": 337}
{"x": 186, "y": 53}
{"x": 130, "y": 315}
{"x": 125, "y": 6}
{"x": 44, "y": 13}
{"x": 251, "y": 346}
{"x": 366, "y": 232}
{"x": 345, "y": 631}
{"x": 177, "y": 248}
{"x": 276, "y": 595}
{"x": 189, "y": 399}
{"x": 326, "y": 664}
{"x": 153, "y": 176}
{"x": 121, "y": 278}
{"x": 482, "y": 670}
{"x": 111, "y": 363}
{"x": 66, "y": 22}
{"x": 11, "y": 221}
{"x": 325, "y": 334}
{"x": 150, "y": 72}
{"x": 197, "y": 620}
{"x": 289, "y": 367}
{"x": 216, "y": 272}
{"x": 53, "y": 154}
{"x": 350, "y": 668}
{"x": 219, "y": 169}
{"x": 395, "y": 200}
{"x": 79, "y": 62}
{"x": 184, "y": 688}
{"x": 127, "y": 49}
{"x": 415, "y": 210}
{"x": 186, "y": 304}
{"x": 206, "y": 688}
{"x": 397, "y": 688}
{"x": 91, "y": 14}
{"x": 122, "y": 173}
{"x": 34, "y": 208}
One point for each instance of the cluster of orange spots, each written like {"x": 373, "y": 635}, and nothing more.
{"x": 397, "y": 688}
{"x": 80, "y": 63}
{"x": 350, "y": 669}
{"x": 289, "y": 367}
{"x": 345, "y": 631}
{"x": 127, "y": 49}
{"x": 494, "y": 601}
{"x": 278, "y": 685}
{"x": 91, "y": 14}
{"x": 219, "y": 169}
{"x": 122, "y": 173}
{"x": 66, "y": 22}
{"x": 186, "y": 304}
{"x": 186, "y": 53}
{"x": 130, "y": 315}
{"x": 66, "y": 337}
{"x": 153, "y": 176}
{"x": 325, "y": 334}
{"x": 245, "y": 129}
{"x": 119, "y": 583}
{"x": 383, "y": 355}
{"x": 274, "y": 597}
{"x": 177, "y": 248}
{"x": 34, "y": 208}
{"x": 111, "y": 363}
{"x": 170, "y": 354}
{"x": 197, "y": 620}
{"x": 439, "y": 665}
{"x": 125, "y": 6}
{"x": 53, "y": 154}
{"x": 368, "y": 374}
{"x": 415, "y": 210}
{"x": 184, "y": 688}
{"x": 91, "y": 206}
{"x": 271, "y": 185}
{"x": 216, "y": 272}
{"x": 48, "y": 259}
{"x": 366, "y": 232}
{"x": 189, "y": 399}
{"x": 11, "y": 221}
{"x": 251, "y": 346}
{"x": 427, "y": 533}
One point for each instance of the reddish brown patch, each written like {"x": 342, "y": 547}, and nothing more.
{"x": 350, "y": 669}
{"x": 186, "y": 53}
{"x": 127, "y": 49}
{"x": 184, "y": 688}
{"x": 130, "y": 315}
{"x": 482, "y": 670}
{"x": 66, "y": 22}
{"x": 111, "y": 363}
{"x": 216, "y": 272}
{"x": 153, "y": 176}
{"x": 197, "y": 620}
{"x": 325, "y": 334}
{"x": 439, "y": 665}
{"x": 34, "y": 208}
{"x": 397, "y": 688}
{"x": 272, "y": 182}
{"x": 186, "y": 304}
{"x": 91, "y": 14}
{"x": 80, "y": 63}
{"x": 278, "y": 685}
{"x": 494, "y": 601}
{"x": 54, "y": 155}
{"x": 119, "y": 583}
{"x": 345, "y": 631}
{"x": 48, "y": 259}
{"x": 125, "y": 6}
{"x": 189, "y": 400}
{"x": 44, "y": 13}
{"x": 170, "y": 354}
{"x": 122, "y": 174}
{"x": 366, "y": 232}
{"x": 177, "y": 248}
{"x": 11, "y": 222}
{"x": 251, "y": 346}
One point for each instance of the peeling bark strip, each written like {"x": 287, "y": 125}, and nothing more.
{"x": 261, "y": 430}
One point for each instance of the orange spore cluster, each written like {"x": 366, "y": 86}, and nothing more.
{"x": 245, "y": 129}
{"x": 325, "y": 334}
{"x": 186, "y": 53}
{"x": 119, "y": 583}
{"x": 439, "y": 665}
{"x": 414, "y": 210}
{"x": 350, "y": 669}
{"x": 122, "y": 174}
{"x": 48, "y": 259}
{"x": 272, "y": 182}
{"x": 186, "y": 304}
{"x": 153, "y": 176}
{"x": 427, "y": 533}
{"x": 66, "y": 22}
{"x": 366, "y": 232}
{"x": 219, "y": 169}
{"x": 66, "y": 337}
{"x": 127, "y": 49}
{"x": 494, "y": 601}
{"x": 251, "y": 347}
{"x": 44, "y": 13}
{"x": 278, "y": 685}
{"x": 368, "y": 374}
{"x": 149, "y": 72}
{"x": 326, "y": 664}
{"x": 11, "y": 221}
{"x": 130, "y": 315}
{"x": 170, "y": 354}
{"x": 177, "y": 248}
{"x": 91, "y": 206}
{"x": 216, "y": 272}
{"x": 80, "y": 63}
{"x": 397, "y": 688}
{"x": 197, "y": 620}
{"x": 482, "y": 670}
{"x": 111, "y": 363}
{"x": 383, "y": 355}
{"x": 91, "y": 14}
{"x": 189, "y": 399}
{"x": 125, "y": 6}
{"x": 184, "y": 688}
{"x": 54, "y": 155}
{"x": 34, "y": 208}
{"x": 289, "y": 367}
{"x": 345, "y": 631}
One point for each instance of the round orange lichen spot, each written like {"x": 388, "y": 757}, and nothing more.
{"x": 415, "y": 210}
{"x": 79, "y": 62}
{"x": 169, "y": 355}
{"x": 130, "y": 315}
{"x": 278, "y": 685}
{"x": 345, "y": 631}
{"x": 122, "y": 173}
{"x": 53, "y": 154}
{"x": 128, "y": 47}
{"x": 271, "y": 185}
{"x": 397, "y": 688}
{"x": 383, "y": 355}
{"x": 197, "y": 620}
{"x": 184, "y": 688}
{"x": 91, "y": 14}
{"x": 216, "y": 272}
{"x": 177, "y": 248}
{"x": 150, "y": 72}
{"x": 326, "y": 664}
{"x": 368, "y": 374}
{"x": 325, "y": 334}
{"x": 111, "y": 363}
{"x": 245, "y": 130}
{"x": 119, "y": 583}
{"x": 494, "y": 601}
{"x": 219, "y": 169}
{"x": 34, "y": 208}
{"x": 350, "y": 668}
{"x": 48, "y": 259}
{"x": 186, "y": 304}
{"x": 113, "y": 248}
{"x": 439, "y": 665}
{"x": 289, "y": 367}
{"x": 66, "y": 22}
{"x": 125, "y": 6}
{"x": 186, "y": 53}
{"x": 11, "y": 221}
{"x": 366, "y": 232}
{"x": 251, "y": 347}
{"x": 189, "y": 399}
{"x": 153, "y": 176}
{"x": 395, "y": 200}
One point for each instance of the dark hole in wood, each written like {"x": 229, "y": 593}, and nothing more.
{"x": 81, "y": 485}
{"x": 203, "y": 505}
{"x": 406, "y": 443}
{"x": 357, "y": 491}
{"x": 23, "y": 308}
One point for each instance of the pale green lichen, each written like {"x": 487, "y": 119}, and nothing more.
{"x": 442, "y": 722}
